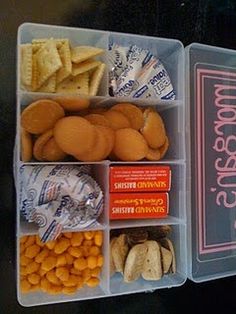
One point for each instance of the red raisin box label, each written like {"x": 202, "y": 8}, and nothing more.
{"x": 140, "y": 178}
{"x": 138, "y": 205}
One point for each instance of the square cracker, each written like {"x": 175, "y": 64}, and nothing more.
{"x": 95, "y": 79}
{"x": 65, "y": 55}
{"x": 49, "y": 86}
{"x": 26, "y": 65}
{"x": 75, "y": 84}
{"x": 90, "y": 64}
{"x": 47, "y": 61}
{"x": 38, "y": 42}
{"x": 81, "y": 53}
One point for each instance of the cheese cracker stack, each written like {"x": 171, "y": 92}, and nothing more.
{"x": 50, "y": 65}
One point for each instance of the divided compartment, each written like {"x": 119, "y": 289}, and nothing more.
{"x": 85, "y": 293}
{"x": 177, "y": 236}
{"x": 172, "y": 113}
{"x": 100, "y": 173}
{"x": 77, "y": 37}
{"x": 177, "y": 206}
{"x": 169, "y": 51}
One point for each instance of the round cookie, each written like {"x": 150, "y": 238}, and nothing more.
{"x": 153, "y": 129}
{"x": 132, "y": 112}
{"x": 110, "y": 137}
{"x": 130, "y": 145}
{"x": 52, "y": 152}
{"x": 73, "y": 103}
{"x": 26, "y": 145}
{"x": 98, "y": 119}
{"x": 39, "y": 144}
{"x": 163, "y": 149}
{"x": 41, "y": 116}
{"x": 98, "y": 151}
{"x": 153, "y": 154}
{"x": 75, "y": 135}
{"x": 117, "y": 119}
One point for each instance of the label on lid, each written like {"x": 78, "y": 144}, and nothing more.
{"x": 216, "y": 159}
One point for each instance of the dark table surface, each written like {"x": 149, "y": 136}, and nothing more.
{"x": 210, "y": 22}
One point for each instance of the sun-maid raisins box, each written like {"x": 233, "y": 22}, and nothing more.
{"x": 200, "y": 122}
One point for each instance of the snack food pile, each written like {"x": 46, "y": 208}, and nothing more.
{"x": 58, "y": 197}
{"x": 145, "y": 252}
{"x": 136, "y": 72}
{"x": 123, "y": 132}
{"x": 62, "y": 266}
{"x": 53, "y": 66}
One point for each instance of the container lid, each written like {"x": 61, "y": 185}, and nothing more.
{"x": 211, "y": 138}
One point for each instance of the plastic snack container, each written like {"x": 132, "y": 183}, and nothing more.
{"x": 201, "y": 125}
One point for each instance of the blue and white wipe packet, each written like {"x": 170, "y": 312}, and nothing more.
{"x": 135, "y": 72}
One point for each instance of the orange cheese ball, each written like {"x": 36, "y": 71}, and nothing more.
{"x": 24, "y": 260}
{"x": 77, "y": 238}
{"x": 88, "y": 235}
{"x": 50, "y": 244}
{"x": 94, "y": 251}
{"x": 86, "y": 274}
{"x": 92, "y": 262}
{"x": 51, "y": 277}
{"x": 100, "y": 260}
{"x": 34, "y": 279}
{"x": 62, "y": 273}
{"x": 93, "y": 282}
{"x": 32, "y": 267}
{"x": 45, "y": 284}
{"x": 80, "y": 263}
{"x": 96, "y": 271}
{"x": 23, "y": 239}
{"x": 49, "y": 263}
{"x": 72, "y": 281}
{"x": 75, "y": 251}
{"x": 61, "y": 246}
{"x": 42, "y": 255}
{"x": 69, "y": 259}
{"x": 98, "y": 239}
{"x": 61, "y": 260}
{"x": 25, "y": 286}
{"x": 30, "y": 241}
{"x": 32, "y": 250}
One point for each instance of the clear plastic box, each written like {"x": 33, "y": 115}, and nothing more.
{"x": 178, "y": 116}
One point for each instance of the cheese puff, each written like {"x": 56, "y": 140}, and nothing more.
{"x": 92, "y": 262}
{"x": 42, "y": 255}
{"x": 32, "y": 267}
{"x": 61, "y": 246}
{"x": 80, "y": 263}
{"x": 98, "y": 238}
{"x": 34, "y": 279}
{"x": 77, "y": 238}
{"x": 93, "y": 282}
{"x": 51, "y": 277}
{"x": 49, "y": 263}
{"x": 62, "y": 273}
{"x": 24, "y": 260}
{"x": 32, "y": 250}
{"x": 88, "y": 235}
{"x": 25, "y": 286}
{"x": 75, "y": 251}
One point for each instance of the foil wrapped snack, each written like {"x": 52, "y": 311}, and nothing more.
{"x": 135, "y": 72}
{"x": 58, "y": 197}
